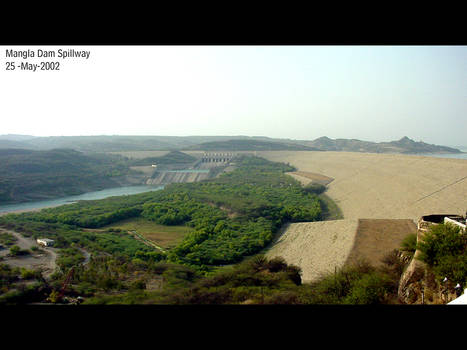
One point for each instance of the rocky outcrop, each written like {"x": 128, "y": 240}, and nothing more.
{"x": 417, "y": 284}
{"x": 411, "y": 283}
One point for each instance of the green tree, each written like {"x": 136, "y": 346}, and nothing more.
{"x": 15, "y": 250}
{"x": 444, "y": 249}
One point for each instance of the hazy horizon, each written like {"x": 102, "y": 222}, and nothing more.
{"x": 369, "y": 93}
{"x": 464, "y": 147}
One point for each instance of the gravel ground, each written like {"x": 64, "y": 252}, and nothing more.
{"x": 43, "y": 259}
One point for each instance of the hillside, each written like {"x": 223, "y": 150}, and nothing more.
{"x": 404, "y": 145}
{"x": 174, "y": 157}
{"x": 114, "y": 143}
{"x": 31, "y": 175}
{"x": 250, "y": 145}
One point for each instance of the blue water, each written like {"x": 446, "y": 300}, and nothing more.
{"x": 449, "y": 155}
{"x": 110, "y": 192}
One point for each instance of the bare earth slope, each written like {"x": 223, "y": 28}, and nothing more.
{"x": 369, "y": 186}
{"x": 317, "y": 247}
{"x": 377, "y": 237}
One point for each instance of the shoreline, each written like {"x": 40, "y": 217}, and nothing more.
{"x": 49, "y": 203}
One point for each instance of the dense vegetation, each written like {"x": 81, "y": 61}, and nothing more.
{"x": 233, "y": 216}
{"x": 444, "y": 250}
{"x": 257, "y": 280}
{"x": 28, "y": 175}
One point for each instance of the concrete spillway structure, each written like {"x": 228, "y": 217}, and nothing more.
{"x": 217, "y": 157}
{"x": 166, "y": 177}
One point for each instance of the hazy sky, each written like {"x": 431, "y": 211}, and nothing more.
{"x": 372, "y": 93}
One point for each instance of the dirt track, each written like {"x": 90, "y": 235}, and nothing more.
{"x": 369, "y": 186}
{"x": 44, "y": 260}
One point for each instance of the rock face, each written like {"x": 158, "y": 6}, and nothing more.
{"x": 410, "y": 284}
{"x": 419, "y": 286}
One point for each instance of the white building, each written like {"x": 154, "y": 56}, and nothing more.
{"x": 45, "y": 242}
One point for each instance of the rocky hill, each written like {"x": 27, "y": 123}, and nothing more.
{"x": 404, "y": 145}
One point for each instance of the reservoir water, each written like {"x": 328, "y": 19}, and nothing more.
{"x": 109, "y": 192}
{"x": 449, "y": 155}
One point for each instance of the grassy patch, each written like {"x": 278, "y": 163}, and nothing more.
{"x": 329, "y": 208}
{"x": 162, "y": 235}
{"x": 7, "y": 239}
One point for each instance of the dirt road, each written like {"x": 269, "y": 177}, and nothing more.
{"x": 44, "y": 259}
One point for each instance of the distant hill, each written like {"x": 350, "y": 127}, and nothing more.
{"x": 404, "y": 145}
{"x": 15, "y": 137}
{"x": 114, "y": 143}
{"x": 120, "y": 143}
{"x": 251, "y": 145}
{"x": 5, "y": 143}
{"x": 33, "y": 175}
{"x": 410, "y": 146}
{"x": 174, "y": 157}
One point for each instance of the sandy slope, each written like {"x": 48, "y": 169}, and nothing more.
{"x": 386, "y": 186}
{"x": 317, "y": 247}
{"x": 368, "y": 186}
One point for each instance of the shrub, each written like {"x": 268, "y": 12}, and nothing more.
{"x": 28, "y": 274}
{"x": 444, "y": 249}
{"x": 314, "y": 188}
{"x": 369, "y": 289}
{"x": 277, "y": 264}
{"x": 282, "y": 298}
{"x": 409, "y": 244}
{"x": 258, "y": 262}
{"x": 15, "y": 250}
{"x": 138, "y": 284}
{"x": 294, "y": 274}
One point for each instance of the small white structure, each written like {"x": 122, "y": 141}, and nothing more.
{"x": 45, "y": 242}
{"x": 456, "y": 223}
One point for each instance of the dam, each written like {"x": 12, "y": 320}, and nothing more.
{"x": 172, "y": 176}
{"x": 209, "y": 165}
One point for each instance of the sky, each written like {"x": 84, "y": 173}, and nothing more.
{"x": 371, "y": 93}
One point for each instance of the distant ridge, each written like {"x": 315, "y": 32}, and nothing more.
{"x": 404, "y": 145}
{"x": 251, "y": 145}
{"x": 119, "y": 143}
